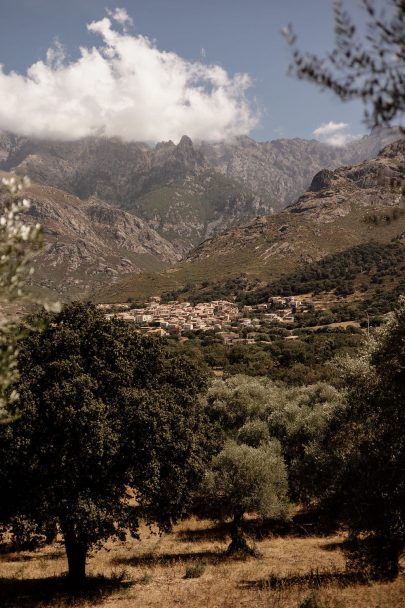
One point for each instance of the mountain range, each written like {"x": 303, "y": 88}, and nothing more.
{"x": 88, "y": 243}
{"x": 186, "y": 192}
{"x": 110, "y": 208}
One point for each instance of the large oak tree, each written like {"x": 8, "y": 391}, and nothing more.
{"x": 110, "y": 427}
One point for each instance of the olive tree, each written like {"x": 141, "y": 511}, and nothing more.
{"x": 245, "y": 479}
{"x": 235, "y": 401}
{"x": 299, "y": 417}
{"x": 254, "y": 410}
{"x": 106, "y": 417}
{"x": 249, "y": 473}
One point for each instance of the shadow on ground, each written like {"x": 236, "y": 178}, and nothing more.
{"x": 302, "y": 525}
{"x": 219, "y": 533}
{"x": 9, "y": 553}
{"x": 313, "y": 580}
{"x": 168, "y": 559}
{"x": 29, "y": 557}
{"x": 42, "y": 592}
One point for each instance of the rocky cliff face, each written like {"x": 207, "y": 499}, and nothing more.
{"x": 90, "y": 243}
{"x": 185, "y": 192}
{"x": 368, "y": 185}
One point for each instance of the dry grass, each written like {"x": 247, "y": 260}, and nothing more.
{"x": 291, "y": 571}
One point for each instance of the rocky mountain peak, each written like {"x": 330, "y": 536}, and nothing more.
{"x": 185, "y": 143}
{"x": 186, "y": 154}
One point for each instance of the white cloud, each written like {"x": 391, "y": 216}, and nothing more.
{"x": 55, "y": 56}
{"x": 128, "y": 88}
{"x": 330, "y": 127}
{"x": 334, "y": 133}
{"x": 121, "y": 16}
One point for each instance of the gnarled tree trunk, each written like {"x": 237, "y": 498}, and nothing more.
{"x": 238, "y": 543}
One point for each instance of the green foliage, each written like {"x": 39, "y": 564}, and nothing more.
{"x": 253, "y": 411}
{"x": 104, "y": 410}
{"x": 246, "y": 359}
{"x": 249, "y": 479}
{"x": 339, "y": 272}
{"x": 254, "y": 433}
{"x": 365, "y": 265}
{"x": 244, "y": 479}
{"x": 249, "y": 473}
{"x": 365, "y": 451}
{"x": 299, "y": 418}
{"x": 236, "y": 401}
{"x": 305, "y": 360}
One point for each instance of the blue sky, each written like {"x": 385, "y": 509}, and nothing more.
{"x": 241, "y": 36}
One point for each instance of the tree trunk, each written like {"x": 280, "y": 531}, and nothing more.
{"x": 238, "y": 543}
{"x": 387, "y": 562}
{"x": 76, "y": 553}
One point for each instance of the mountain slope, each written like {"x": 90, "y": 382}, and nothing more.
{"x": 342, "y": 208}
{"x": 89, "y": 243}
{"x": 188, "y": 211}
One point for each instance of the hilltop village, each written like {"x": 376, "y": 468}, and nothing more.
{"x": 226, "y": 318}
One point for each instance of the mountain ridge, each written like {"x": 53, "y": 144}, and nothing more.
{"x": 186, "y": 192}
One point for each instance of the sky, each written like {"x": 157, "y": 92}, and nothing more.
{"x": 154, "y": 70}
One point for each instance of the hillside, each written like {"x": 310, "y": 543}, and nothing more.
{"x": 187, "y": 192}
{"x": 346, "y": 207}
{"x": 189, "y": 210}
{"x": 88, "y": 243}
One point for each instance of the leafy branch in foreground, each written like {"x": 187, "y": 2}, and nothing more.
{"x": 17, "y": 243}
{"x": 371, "y": 68}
